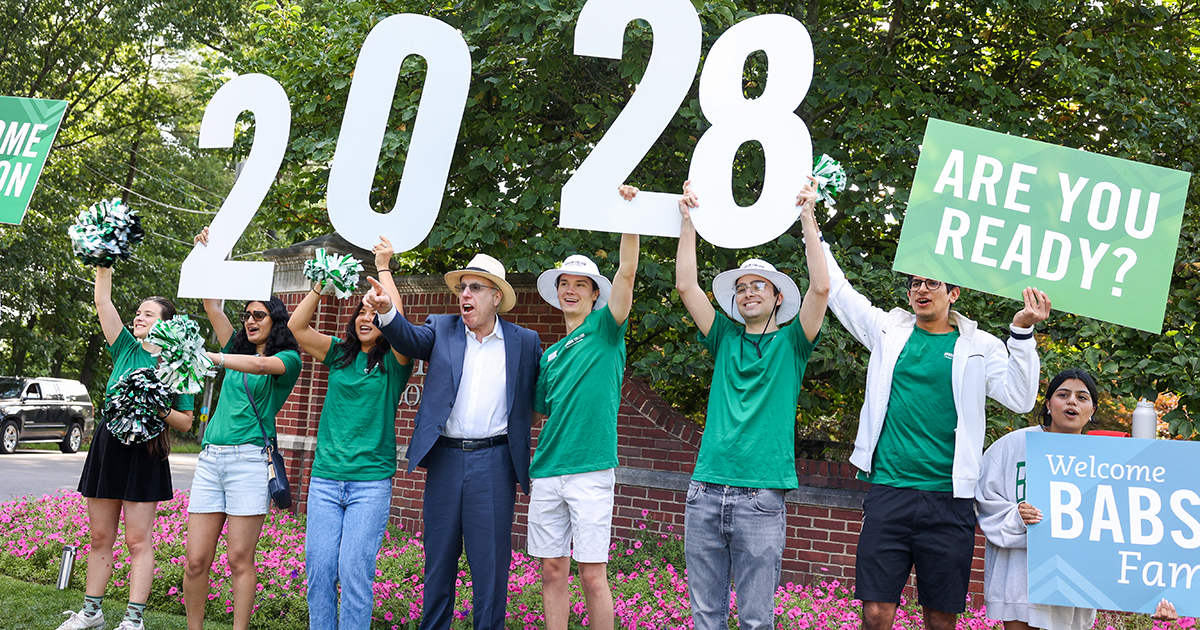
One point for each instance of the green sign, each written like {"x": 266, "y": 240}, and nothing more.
{"x": 998, "y": 213}
{"x": 27, "y": 129}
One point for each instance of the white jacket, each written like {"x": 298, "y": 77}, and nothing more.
{"x": 982, "y": 368}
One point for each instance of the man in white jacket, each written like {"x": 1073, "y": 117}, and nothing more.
{"x": 920, "y": 437}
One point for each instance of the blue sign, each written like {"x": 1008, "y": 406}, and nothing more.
{"x": 1120, "y": 523}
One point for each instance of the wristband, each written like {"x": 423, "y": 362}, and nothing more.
{"x": 221, "y": 365}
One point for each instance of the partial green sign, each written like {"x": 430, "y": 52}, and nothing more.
{"x": 27, "y": 130}
{"x": 998, "y": 213}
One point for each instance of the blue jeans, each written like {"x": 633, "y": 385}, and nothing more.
{"x": 346, "y": 520}
{"x": 733, "y": 533}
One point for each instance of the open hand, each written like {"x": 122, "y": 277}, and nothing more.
{"x": 1037, "y": 308}
{"x": 377, "y": 299}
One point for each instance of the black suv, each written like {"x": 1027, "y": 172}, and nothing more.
{"x": 43, "y": 410}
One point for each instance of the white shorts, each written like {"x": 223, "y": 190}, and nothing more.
{"x": 572, "y": 509}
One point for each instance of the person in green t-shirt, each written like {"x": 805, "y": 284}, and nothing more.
{"x": 735, "y": 517}
{"x": 125, "y": 479}
{"x": 262, "y": 362}
{"x": 578, "y": 394}
{"x": 920, "y": 437}
{"x": 350, "y": 492}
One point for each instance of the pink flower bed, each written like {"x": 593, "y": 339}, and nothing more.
{"x": 649, "y": 591}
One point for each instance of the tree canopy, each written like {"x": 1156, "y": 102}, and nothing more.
{"x": 1114, "y": 78}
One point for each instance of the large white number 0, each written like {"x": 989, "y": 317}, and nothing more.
{"x": 770, "y": 119}
{"x": 205, "y": 273}
{"x": 433, "y": 138}
{"x": 589, "y": 199}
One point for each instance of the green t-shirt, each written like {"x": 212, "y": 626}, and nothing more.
{"x": 579, "y": 388}
{"x": 128, "y": 355}
{"x": 916, "y": 447}
{"x": 750, "y": 433}
{"x": 356, "y": 439}
{"x": 234, "y": 421}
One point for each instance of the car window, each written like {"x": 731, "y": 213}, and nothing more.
{"x": 34, "y": 391}
{"x": 74, "y": 391}
{"x": 50, "y": 391}
{"x": 10, "y": 387}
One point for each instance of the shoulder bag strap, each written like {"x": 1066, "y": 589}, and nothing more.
{"x": 261, "y": 426}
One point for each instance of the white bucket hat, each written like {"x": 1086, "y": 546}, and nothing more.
{"x": 723, "y": 289}
{"x": 577, "y": 265}
{"x": 485, "y": 266}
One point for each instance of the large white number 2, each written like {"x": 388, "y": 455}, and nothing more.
{"x": 589, "y": 199}
{"x": 205, "y": 273}
{"x": 770, "y": 119}
{"x": 433, "y": 138}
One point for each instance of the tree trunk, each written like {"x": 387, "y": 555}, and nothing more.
{"x": 19, "y": 353}
{"x": 90, "y": 354}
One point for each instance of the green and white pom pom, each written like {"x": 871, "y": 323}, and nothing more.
{"x": 337, "y": 272}
{"x": 831, "y": 179}
{"x": 182, "y": 363}
{"x": 134, "y": 406}
{"x": 105, "y": 233}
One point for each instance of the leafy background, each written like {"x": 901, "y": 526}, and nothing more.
{"x": 1116, "y": 78}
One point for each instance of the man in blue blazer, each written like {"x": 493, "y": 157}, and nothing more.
{"x": 471, "y": 435}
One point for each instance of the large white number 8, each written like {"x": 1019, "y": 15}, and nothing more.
{"x": 205, "y": 273}
{"x": 769, "y": 119}
{"x": 589, "y": 199}
{"x": 433, "y": 138}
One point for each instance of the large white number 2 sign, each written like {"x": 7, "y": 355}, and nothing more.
{"x": 205, "y": 273}
{"x": 434, "y": 132}
{"x": 590, "y": 200}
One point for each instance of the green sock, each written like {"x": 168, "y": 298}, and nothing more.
{"x": 91, "y": 605}
{"x": 133, "y": 612}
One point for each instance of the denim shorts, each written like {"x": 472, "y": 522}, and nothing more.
{"x": 232, "y": 480}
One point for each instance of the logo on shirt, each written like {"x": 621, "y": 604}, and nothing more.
{"x": 574, "y": 340}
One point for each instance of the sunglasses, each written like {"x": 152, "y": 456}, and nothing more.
{"x": 475, "y": 287}
{"x": 257, "y": 315}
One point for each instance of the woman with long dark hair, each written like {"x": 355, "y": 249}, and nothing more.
{"x": 1068, "y": 406}
{"x": 262, "y": 362}
{"x": 350, "y": 493}
{"x": 125, "y": 479}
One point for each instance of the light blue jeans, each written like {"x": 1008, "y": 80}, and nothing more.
{"x": 733, "y": 534}
{"x": 346, "y": 520}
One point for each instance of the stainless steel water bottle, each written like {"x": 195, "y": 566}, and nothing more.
{"x": 68, "y": 564}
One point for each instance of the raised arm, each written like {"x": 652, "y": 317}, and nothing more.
{"x": 110, "y": 319}
{"x": 313, "y": 342}
{"x": 1014, "y": 368}
{"x": 412, "y": 341}
{"x": 215, "y": 308}
{"x": 249, "y": 364}
{"x": 686, "y": 279}
{"x": 383, "y": 261}
{"x": 816, "y": 299}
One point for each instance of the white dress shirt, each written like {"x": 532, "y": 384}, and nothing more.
{"x": 481, "y": 404}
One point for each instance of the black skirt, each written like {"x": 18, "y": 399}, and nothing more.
{"x": 128, "y": 473}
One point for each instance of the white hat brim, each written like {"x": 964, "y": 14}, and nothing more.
{"x": 547, "y": 284}
{"x": 723, "y": 292}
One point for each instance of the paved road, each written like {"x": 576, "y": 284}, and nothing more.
{"x": 35, "y": 472}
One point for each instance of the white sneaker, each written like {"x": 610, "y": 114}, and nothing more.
{"x": 129, "y": 624}
{"x": 79, "y": 621}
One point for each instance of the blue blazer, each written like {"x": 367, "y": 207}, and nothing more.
{"x": 442, "y": 343}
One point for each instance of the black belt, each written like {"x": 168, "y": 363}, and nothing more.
{"x": 472, "y": 445}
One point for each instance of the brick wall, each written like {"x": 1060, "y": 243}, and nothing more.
{"x": 657, "y": 447}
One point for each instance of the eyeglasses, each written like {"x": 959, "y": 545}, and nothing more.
{"x": 757, "y": 287}
{"x": 475, "y": 287}
{"x": 257, "y": 315}
{"x": 915, "y": 284}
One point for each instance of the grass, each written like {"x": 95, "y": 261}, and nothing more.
{"x": 36, "y": 607}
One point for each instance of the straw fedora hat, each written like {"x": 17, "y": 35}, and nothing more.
{"x": 485, "y": 266}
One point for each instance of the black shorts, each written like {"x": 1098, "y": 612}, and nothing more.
{"x": 903, "y": 527}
